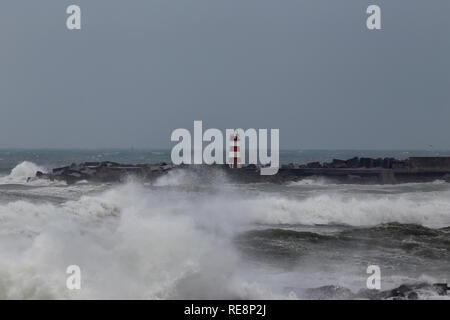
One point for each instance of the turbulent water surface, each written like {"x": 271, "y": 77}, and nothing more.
{"x": 181, "y": 237}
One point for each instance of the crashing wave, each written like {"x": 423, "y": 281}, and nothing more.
{"x": 20, "y": 173}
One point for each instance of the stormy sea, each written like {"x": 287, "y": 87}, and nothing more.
{"x": 181, "y": 237}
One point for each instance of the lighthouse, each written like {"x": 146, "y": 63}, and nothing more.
{"x": 234, "y": 155}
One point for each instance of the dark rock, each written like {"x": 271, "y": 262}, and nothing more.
{"x": 330, "y": 293}
{"x": 403, "y": 292}
{"x": 387, "y": 163}
{"x": 366, "y": 162}
{"x": 400, "y": 164}
{"x": 378, "y": 163}
{"x": 372, "y": 294}
{"x": 91, "y": 164}
{"x": 109, "y": 164}
{"x": 352, "y": 163}
{"x": 400, "y": 292}
{"x": 336, "y": 163}
{"x": 314, "y": 165}
{"x": 411, "y": 291}
{"x": 441, "y": 288}
{"x": 59, "y": 170}
{"x": 413, "y": 296}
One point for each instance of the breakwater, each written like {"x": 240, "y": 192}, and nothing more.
{"x": 354, "y": 170}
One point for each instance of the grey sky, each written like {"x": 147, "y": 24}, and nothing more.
{"x": 139, "y": 69}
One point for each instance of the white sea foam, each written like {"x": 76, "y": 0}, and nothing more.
{"x": 309, "y": 182}
{"x": 136, "y": 242}
{"x": 175, "y": 178}
{"x": 180, "y": 177}
{"x": 24, "y": 170}
{"x": 21, "y": 173}
{"x": 128, "y": 242}
{"x": 431, "y": 210}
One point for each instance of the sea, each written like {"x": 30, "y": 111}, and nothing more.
{"x": 181, "y": 237}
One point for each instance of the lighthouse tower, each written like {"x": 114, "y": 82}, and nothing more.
{"x": 235, "y": 152}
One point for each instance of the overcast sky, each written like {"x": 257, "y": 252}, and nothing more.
{"x": 139, "y": 69}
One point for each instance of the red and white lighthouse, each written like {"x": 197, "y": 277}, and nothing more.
{"x": 235, "y": 152}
